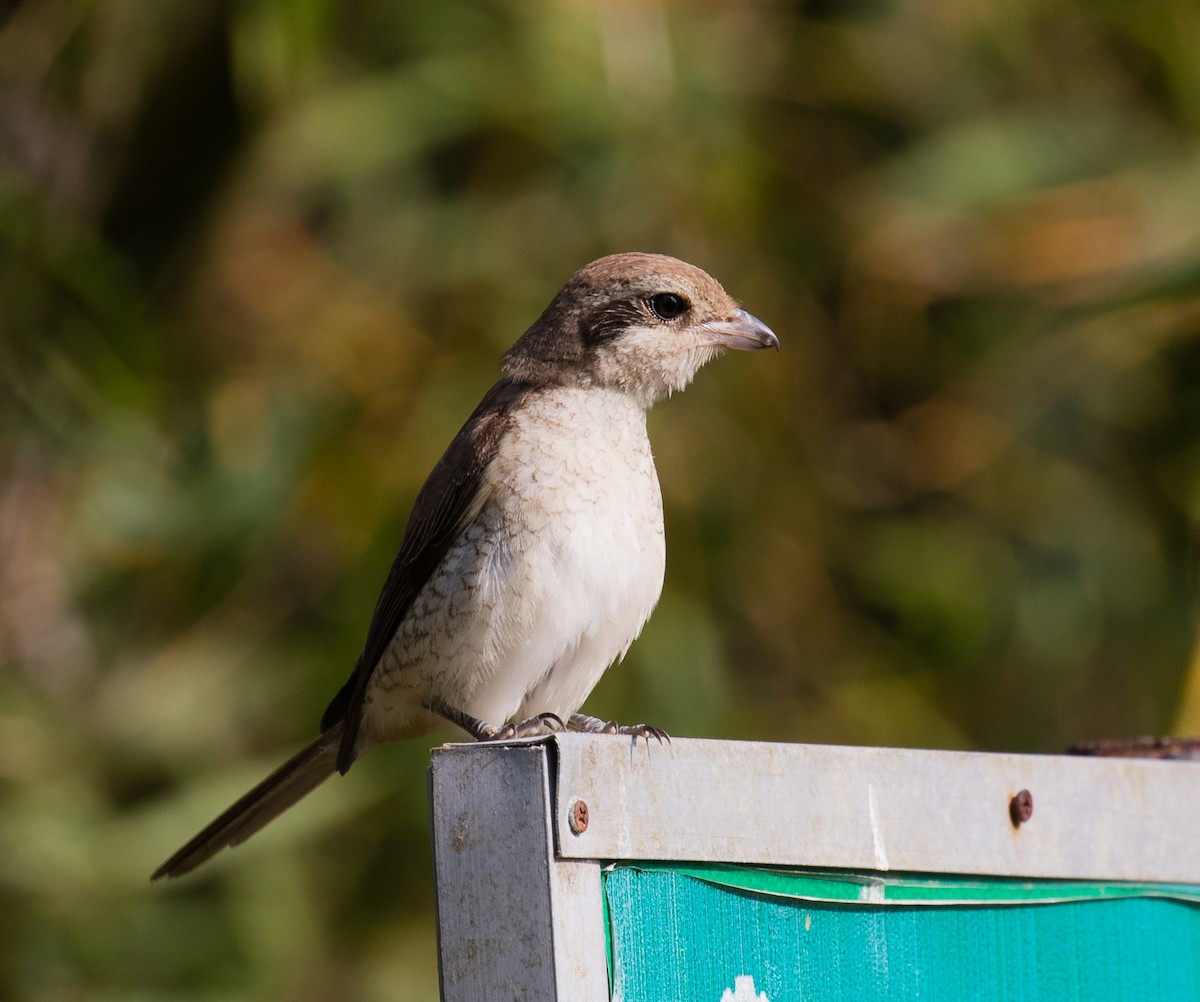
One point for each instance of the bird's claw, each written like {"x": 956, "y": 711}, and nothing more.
{"x": 543, "y": 723}
{"x": 635, "y": 731}
{"x": 594, "y": 725}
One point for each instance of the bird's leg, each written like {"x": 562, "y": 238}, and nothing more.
{"x": 478, "y": 729}
{"x": 482, "y": 730}
{"x": 594, "y": 725}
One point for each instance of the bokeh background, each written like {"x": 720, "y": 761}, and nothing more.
{"x": 258, "y": 261}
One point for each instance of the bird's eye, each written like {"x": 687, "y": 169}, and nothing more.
{"x": 668, "y": 306}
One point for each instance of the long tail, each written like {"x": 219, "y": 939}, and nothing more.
{"x": 298, "y": 776}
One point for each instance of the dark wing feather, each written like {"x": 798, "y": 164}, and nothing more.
{"x": 442, "y": 510}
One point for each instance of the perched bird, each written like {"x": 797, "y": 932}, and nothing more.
{"x": 534, "y": 552}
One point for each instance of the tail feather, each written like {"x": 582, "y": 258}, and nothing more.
{"x": 297, "y": 777}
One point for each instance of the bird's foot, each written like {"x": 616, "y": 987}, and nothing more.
{"x": 543, "y": 723}
{"x": 481, "y": 730}
{"x": 594, "y": 725}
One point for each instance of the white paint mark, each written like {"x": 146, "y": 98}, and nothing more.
{"x": 877, "y": 843}
{"x": 743, "y": 991}
{"x": 873, "y": 892}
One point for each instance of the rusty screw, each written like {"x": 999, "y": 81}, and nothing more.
{"x": 579, "y": 816}
{"x": 1020, "y": 808}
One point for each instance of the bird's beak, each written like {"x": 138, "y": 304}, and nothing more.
{"x": 742, "y": 331}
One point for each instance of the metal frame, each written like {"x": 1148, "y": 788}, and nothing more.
{"x": 515, "y": 920}
{"x": 521, "y": 830}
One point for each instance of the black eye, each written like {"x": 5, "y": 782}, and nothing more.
{"x": 668, "y": 306}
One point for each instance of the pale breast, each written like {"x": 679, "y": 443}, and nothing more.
{"x": 552, "y": 581}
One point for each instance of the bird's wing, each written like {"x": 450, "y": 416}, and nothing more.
{"x": 450, "y": 499}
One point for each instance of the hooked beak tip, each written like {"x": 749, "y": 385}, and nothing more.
{"x": 743, "y": 331}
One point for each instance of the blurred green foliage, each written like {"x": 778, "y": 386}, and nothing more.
{"x": 258, "y": 260}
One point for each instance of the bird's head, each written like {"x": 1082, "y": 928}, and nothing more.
{"x": 640, "y": 323}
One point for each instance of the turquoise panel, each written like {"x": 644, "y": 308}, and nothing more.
{"x": 678, "y": 937}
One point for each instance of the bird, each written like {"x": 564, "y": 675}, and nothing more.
{"x": 534, "y": 553}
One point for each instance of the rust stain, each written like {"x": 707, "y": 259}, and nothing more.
{"x": 1020, "y": 808}
{"x": 579, "y": 816}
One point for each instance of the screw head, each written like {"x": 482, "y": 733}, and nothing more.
{"x": 578, "y": 816}
{"x": 1020, "y": 808}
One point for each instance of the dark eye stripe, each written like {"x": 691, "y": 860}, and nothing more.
{"x": 611, "y": 320}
